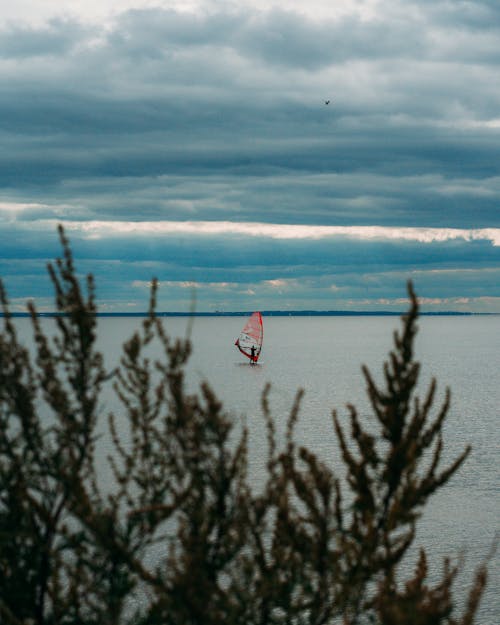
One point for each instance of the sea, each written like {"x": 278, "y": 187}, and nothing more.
{"x": 323, "y": 356}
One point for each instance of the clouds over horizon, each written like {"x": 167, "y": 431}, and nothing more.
{"x": 208, "y": 113}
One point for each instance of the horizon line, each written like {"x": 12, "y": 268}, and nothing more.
{"x": 265, "y": 313}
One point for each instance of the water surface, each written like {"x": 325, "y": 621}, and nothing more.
{"x": 323, "y": 355}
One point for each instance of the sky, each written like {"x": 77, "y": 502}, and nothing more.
{"x": 190, "y": 141}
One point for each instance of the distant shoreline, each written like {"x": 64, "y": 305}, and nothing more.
{"x": 269, "y": 313}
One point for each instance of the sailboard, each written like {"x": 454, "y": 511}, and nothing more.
{"x": 249, "y": 342}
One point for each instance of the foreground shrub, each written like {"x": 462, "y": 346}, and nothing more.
{"x": 183, "y": 538}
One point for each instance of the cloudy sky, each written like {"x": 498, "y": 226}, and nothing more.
{"x": 191, "y": 141}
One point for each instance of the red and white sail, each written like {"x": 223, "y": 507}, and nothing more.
{"x": 249, "y": 341}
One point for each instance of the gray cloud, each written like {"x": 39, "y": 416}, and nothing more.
{"x": 220, "y": 115}
{"x": 58, "y": 37}
{"x": 320, "y": 274}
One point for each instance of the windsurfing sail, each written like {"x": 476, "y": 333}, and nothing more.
{"x": 249, "y": 341}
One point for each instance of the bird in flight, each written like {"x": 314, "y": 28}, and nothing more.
{"x": 327, "y": 101}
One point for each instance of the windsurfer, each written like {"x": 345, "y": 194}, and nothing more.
{"x": 249, "y": 341}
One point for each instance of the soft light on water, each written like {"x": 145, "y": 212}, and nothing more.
{"x": 323, "y": 355}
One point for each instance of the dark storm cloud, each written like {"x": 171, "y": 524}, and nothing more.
{"x": 196, "y": 112}
{"x": 326, "y": 274}
{"x": 219, "y": 116}
{"x": 282, "y": 37}
{"x": 286, "y": 39}
{"x": 219, "y": 256}
{"x": 57, "y": 38}
{"x": 480, "y": 14}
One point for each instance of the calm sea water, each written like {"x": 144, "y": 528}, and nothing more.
{"x": 323, "y": 355}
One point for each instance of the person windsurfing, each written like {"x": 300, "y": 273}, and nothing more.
{"x": 249, "y": 342}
